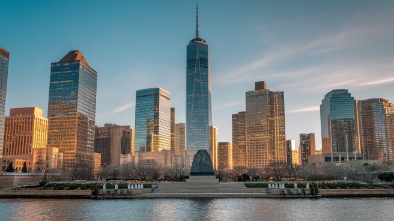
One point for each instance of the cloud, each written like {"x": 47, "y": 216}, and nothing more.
{"x": 123, "y": 108}
{"x": 305, "y": 109}
{"x": 229, "y": 104}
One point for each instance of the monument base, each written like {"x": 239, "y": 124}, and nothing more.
{"x": 202, "y": 179}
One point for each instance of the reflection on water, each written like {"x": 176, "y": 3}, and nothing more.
{"x": 198, "y": 209}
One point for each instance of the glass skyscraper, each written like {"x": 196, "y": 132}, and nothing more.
{"x": 152, "y": 120}
{"x": 376, "y": 121}
{"x": 198, "y": 94}
{"x": 338, "y": 122}
{"x": 72, "y": 109}
{"x": 4, "y": 57}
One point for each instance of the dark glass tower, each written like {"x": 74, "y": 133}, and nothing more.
{"x": 198, "y": 94}
{"x": 72, "y": 109}
{"x": 338, "y": 122}
{"x": 4, "y": 56}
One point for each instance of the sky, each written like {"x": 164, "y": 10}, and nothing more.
{"x": 304, "y": 48}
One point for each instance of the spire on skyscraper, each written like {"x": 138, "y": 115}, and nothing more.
{"x": 197, "y": 21}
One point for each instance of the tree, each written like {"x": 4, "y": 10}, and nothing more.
{"x": 177, "y": 172}
{"x": 386, "y": 176}
{"x": 278, "y": 170}
{"x": 24, "y": 168}
{"x": 148, "y": 169}
{"x": 10, "y": 168}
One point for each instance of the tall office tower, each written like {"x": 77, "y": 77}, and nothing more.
{"x": 239, "y": 139}
{"x": 290, "y": 146}
{"x": 72, "y": 109}
{"x": 25, "y": 130}
{"x": 179, "y": 139}
{"x": 307, "y": 147}
{"x": 376, "y": 120}
{"x": 265, "y": 127}
{"x": 112, "y": 141}
{"x": 225, "y": 158}
{"x": 172, "y": 128}
{"x": 198, "y": 94}
{"x": 152, "y": 120}
{"x": 213, "y": 146}
{"x": 338, "y": 122}
{"x": 4, "y": 58}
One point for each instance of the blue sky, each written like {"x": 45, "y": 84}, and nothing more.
{"x": 304, "y": 48}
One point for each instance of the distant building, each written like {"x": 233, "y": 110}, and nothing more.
{"x": 376, "y": 123}
{"x": 318, "y": 160}
{"x": 213, "y": 146}
{"x": 290, "y": 146}
{"x": 172, "y": 128}
{"x": 225, "y": 157}
{"x": 112, "y": 141}
{"x": 72, "y": 109}
{"x": 4, "y": 60}
{"x": 198, "y": 95}
{"x": 47, "y": 158}
{"x": 163, "y": 158}
{"x": 25, "y": 129}
{"x": 265, "y": 127}
{"x": 294, "y": 157}
{"x": 97, "y": 165}
{"x": 152, "y": 120}
{"x": 307, "y": 147}
{"x": 338, "y": 122}
{"x": 239, "y": 139}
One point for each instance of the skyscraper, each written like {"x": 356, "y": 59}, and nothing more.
{"x": 4, "y": 60}
{"x": 290, "y": 144}
{"x": 198, "y": 94}
{"x": 213, "y": 146}
{"x": 152, "y": 120}
{"x": 72, "y": 109}
{"x": 239, "y": 139}
{"x": 265, "y": 127}
{"x": 172, "y": 128}
{"x": 307, "y": 147}
{"x": 376, "y": 120}
{"x": 338, "y": 122}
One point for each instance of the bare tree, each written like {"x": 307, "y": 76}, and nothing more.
{"x": 148, "y": 169}
{"x": 278, "y": 170}
{"x": 127, "y": 171}
{"x": 177, "y": 171}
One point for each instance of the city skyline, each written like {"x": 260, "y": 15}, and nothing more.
{"x": 332, "y": 45}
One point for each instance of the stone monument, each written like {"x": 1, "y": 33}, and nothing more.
{"x": 202, "y": 169}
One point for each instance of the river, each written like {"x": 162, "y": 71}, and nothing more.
{"x": 199, "y": 209}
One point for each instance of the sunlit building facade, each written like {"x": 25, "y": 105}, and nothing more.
{"x": 265, "y": 127}
{"x": 4, "y": 60}
{"x": 290, "y": 146}
{"x": 239, "y": 139}
{"x": 72, "y": 109}
{"x": 112, "y": 141}
{"x": 25, "y": 129}
{"x": 152, "y": 120}
{"x": 225, "y": 158}
{"x": 376, "y": 121}
{"x": 198, "y": 95}
{"x": 172, "y": 128}
{"x": 338, "y": 122}
{"x": 307, "y": 147}
{"x": 213, "y": 146}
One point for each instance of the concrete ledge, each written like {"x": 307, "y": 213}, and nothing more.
{"x": 57, "y": 194}
{"x": 356, "y": 192}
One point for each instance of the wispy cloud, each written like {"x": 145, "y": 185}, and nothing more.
{"x": 123, "y": 108}
{"x": 305, "y": 109}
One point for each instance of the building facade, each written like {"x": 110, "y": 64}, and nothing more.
{"x": 225, "y": 158}
{"x": 213, "y": 146}
{"x": 4, "y": 61}
{"x": 265, "y": 127}
{"x": 179, "y": 146}
{"x": 290, "y": 146}
{"x": 307, "y": 147}
{"x": 112, "y": 141}
{"x": 376, "y": 123}
{"x": 198, "y": 95}
{"x": 239, "y": 140}
{"x": 72, "y": 109}
{"x": 152, "y": 120}
{"x": 25, "y": 129}
{"x": 338, "y": 122}
{"x": 172, "y": 128}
